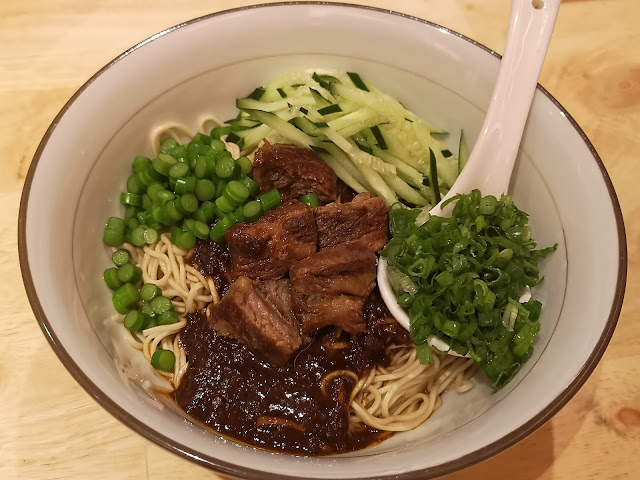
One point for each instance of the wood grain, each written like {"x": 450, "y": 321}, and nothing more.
{"x": 50, "y": 428}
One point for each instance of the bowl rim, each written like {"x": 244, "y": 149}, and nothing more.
{"x": 238, "y": 471}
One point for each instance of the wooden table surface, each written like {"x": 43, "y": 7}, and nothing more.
{"x": 50, "y": 428}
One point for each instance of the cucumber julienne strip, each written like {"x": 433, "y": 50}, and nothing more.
{"x": 404, "y": 190}
{"x": 283, "y": 127}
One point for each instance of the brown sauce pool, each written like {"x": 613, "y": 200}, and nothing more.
{"x": 301, "y": 408}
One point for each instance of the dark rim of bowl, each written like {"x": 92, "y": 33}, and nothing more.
{"x": 243, "y": 472}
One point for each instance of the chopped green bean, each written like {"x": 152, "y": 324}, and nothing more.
{"x": 110, "y": 277}
{"x": 163, "y": 163}
{"x": 251, "y": 211}
{"x": 149, "y": 291}
{"x": 151, "y": 236}
{"x": 134, "y": 185}
{"x": 270, "y": 200}
{"x": 163, "y": 360}
{"x": 168, "y": 144}
{"x": 178, "y": 170}
{"x": 161, "y": 304}
{"x": 218, "y": 132}
{"x": 120, "y": 257}
{"x": 236, "y": 192}
{"x": 205, "y": 189}
{"x": 225, "y": 205}
{"x": 311, "y": 199}
{"x": 137, "y": 237}
{"x": 225, "y": 166}
{"x": 168, "y": 318}
{"x": 217, "y": 145}
{"x": 134, "y": 320}
{"x": 125, "y": 298}
{"x": 251, "y": 185}
{"x": 185, "y": 185}
{"x": 245, "y": 165}
{"x": 200, "y": 230}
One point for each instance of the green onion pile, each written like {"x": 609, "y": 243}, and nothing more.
{"x": 460, "y": 279}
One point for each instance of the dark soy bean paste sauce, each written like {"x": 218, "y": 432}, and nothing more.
{"x": 284, "y": 408}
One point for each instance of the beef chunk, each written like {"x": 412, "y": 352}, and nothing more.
{"x": 260, "y": 316}
{"x": 363, "y": 220}
{"x": 268, "y": 247}
{"x": 331, "y": 286}
{"x": 294, "y": 171}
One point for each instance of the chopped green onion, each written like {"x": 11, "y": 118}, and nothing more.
{"x": 465, "y": 272}
{"x": 141, "y": 163}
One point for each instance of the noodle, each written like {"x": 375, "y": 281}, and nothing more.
{"x": 163, "y": 264}
{"x": 406, "y": 393}
{"x": 395, "y": 398}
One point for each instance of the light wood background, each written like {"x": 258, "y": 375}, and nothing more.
{"x": 50, "y": 428}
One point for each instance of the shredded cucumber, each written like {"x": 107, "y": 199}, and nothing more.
{"x": 370, "y": 140}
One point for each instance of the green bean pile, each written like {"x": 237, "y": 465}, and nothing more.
{"x": 186, "y": 188}
{"x": 460, "y": 279}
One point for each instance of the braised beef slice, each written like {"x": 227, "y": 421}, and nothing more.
{"x": 362, "y": 220}
{"x": 331, "y": 286}
{"x": 294, "y": 171}
{"x": 268, "y": 247}
{"x": 259, "y": 315}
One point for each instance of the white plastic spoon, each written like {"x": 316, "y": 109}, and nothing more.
{"x": 491, "y": 162}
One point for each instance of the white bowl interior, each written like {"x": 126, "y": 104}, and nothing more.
{"x": 194, "y": 71}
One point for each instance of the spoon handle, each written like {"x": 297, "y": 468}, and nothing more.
{"x": 491, "y": 161}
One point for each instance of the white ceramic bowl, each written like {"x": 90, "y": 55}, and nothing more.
{"x": 202, "y": 66}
